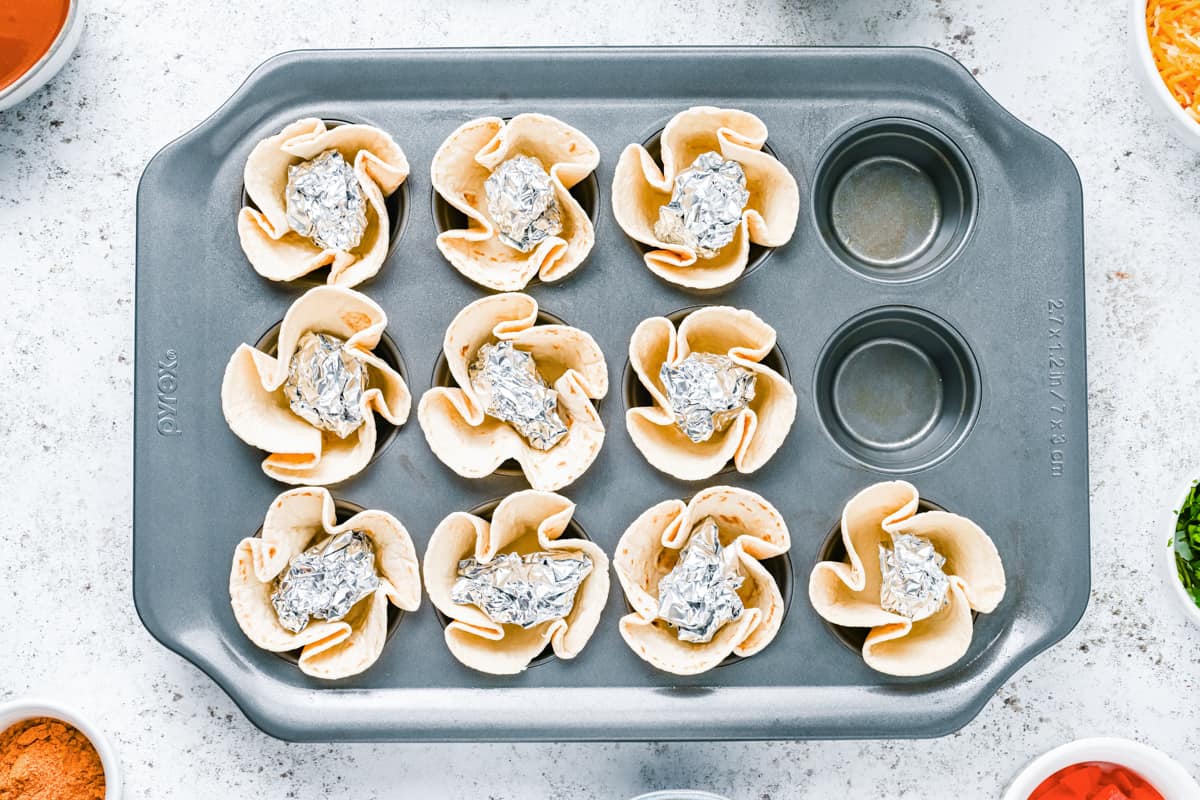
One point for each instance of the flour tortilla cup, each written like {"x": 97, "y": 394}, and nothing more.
{"x": 462, "y": 166}
{"x": 474, "y": 444}
{"x": 524, "y": 522}
{"x": 298, "y": 519}
{"x": 911, "y": 649}
{"x": 751, "y": 529}
{"x": 751, "y": 438}
{"x": 257, "y": 410}
{"x": 280, "y": 254}
{"x": 640, "y": 188}
{"x": 847, "y": 593}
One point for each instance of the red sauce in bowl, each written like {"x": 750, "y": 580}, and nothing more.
{"x": 1095, "y": 780}
{"x": 28, "y": 29}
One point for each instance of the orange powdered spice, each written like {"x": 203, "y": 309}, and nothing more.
{"x": 47, "y": 759}
{"x": 1174, "y": 30}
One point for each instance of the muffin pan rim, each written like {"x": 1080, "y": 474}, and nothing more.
{"x": 293, "y": 710}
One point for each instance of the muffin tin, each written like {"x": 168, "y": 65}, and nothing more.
{"x": 930, "y": 306}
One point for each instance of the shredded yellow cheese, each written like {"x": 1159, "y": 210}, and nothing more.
{"x": 1174, "y": 30}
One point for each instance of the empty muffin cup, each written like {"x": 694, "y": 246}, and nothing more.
{"x": 894, "y": 200}
{"x": 897, "y": 388}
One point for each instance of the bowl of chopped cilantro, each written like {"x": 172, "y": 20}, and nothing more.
{"x": 1183, "y": 551}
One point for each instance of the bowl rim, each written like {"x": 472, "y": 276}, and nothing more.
{"x": 679, "y": 794}
{"x": 1140, "y": 41}
{"x": 1163, "y": 772}
{"x": 74, "y": 17}
{"x": 15, "y": 711}
{"x": 1174, "y": 587}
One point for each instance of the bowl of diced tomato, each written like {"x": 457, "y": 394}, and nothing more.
{"x": 1103, "y": 769}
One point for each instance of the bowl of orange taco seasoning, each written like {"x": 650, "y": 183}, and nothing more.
{"x": 50, "y": 752}
{"x": 37, "y": 38}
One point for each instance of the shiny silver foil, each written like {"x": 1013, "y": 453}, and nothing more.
{"x": 706, "y": 392}
{"x": 706, "y": 205}
{"x": 522, "y": 590}
{"x": 508, "y": 382}
{"x": 325, "y": 384}
{"x": 699, "y": 595}
{"x": 521, "y": 201}
{"x": 914, "y": 584}
{"x": 326, "y": 203}
{"x": 325, "y": 581}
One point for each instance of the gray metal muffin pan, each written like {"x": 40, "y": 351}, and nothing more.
{"x": 930, "y": 311}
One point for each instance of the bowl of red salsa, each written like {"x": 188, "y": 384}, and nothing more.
{"x": 1095, "y": 780}
{"x": 1103, "y": 769}
{"x": 37, "y": 38}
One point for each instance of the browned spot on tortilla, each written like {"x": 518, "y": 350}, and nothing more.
{"x": 665, "y": 559}
{"x": 290, "y": 458}
{"x": 356, "y": 320}
{"x": 888, "y": 628}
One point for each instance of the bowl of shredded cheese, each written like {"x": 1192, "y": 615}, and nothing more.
{"x": 1165, "y": 38}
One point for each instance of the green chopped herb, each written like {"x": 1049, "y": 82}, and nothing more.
{"x": 1186, "y": 543}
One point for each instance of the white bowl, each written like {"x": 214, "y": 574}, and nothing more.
{"x": 48, "y": 66}
{"x": 1174, "y": 502}
{"x": 1156, "y": 92}
{"x": 1171, "y": 780}
{"x": 12, "y": 713}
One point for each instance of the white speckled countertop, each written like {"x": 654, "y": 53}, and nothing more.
{"x": 146, "y": 71}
